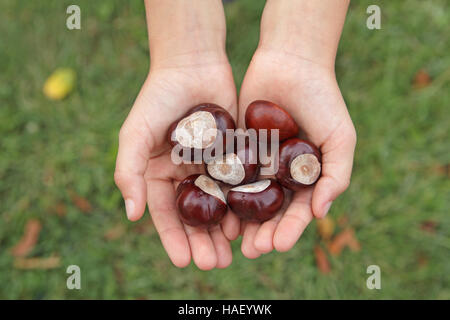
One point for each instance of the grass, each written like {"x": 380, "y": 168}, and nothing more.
{"x": 50, "y": 151}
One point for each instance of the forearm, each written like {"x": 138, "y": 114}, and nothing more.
{"x": 182, "y": 31}
{"x": 309, "y": 29}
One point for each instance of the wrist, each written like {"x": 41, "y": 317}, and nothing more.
{"x": 186, "y": 32}
{"x": 184, "y": 58}
{"x": 308, "y": 30}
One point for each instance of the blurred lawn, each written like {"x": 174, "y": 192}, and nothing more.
{"x": 50, "y": 151}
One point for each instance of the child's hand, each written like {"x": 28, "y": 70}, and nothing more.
{"x": 310, "y": 93}
{"x": 145, "y": 172}
{"x": 188, "y": 67}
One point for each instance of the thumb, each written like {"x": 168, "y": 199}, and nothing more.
{"x": 337, "y": 164}
{"x": 131, "y": 164}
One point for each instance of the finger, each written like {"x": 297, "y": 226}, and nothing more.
{"x": 337, "y": 162}
{"x": 202, "y": 247}
{"x": 161, "y": 203}
{"x": 131, "y": 163}
{"x": 231, "y": 226}
{"x": 264, "y": 236}
{"x": 222, "y": 247}
{"x": 294, "y": 221}
{"x": 247, "y": 246}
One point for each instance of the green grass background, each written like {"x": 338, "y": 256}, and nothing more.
{"x": 48, "y": 149}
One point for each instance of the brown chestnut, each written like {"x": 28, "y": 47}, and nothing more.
{"x": 200, "y": 201}
{"x": 258, "y": 201}
{"x": 238, "y": 167}
{"x": 199, "y": 128}
{"x": 299, "y": 164}
{"x": 267, "y": 115}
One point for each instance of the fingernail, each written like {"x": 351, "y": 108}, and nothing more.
{"x": 326, "y": 208}
{"x": 129, "y": 207}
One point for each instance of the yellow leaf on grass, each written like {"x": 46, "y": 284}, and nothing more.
{"x": 60, "y": 83}
{"x": 325, "y": 227}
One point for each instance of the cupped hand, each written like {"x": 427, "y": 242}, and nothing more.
{"x": 310, "y": 93}
{"x": 145, "y": 172}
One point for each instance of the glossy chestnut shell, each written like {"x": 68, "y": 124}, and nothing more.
{"x": 307, "y": 158}
{"x": 267, "y": 115}
{"x": 207, "y": 114}
{"x": 256, "y": 204}
{"x": 196, "y": 206}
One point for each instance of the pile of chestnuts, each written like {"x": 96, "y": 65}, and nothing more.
{"x": 234, "y": 164}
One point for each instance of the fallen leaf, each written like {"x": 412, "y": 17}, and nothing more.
{"x": 428, "y": 226}
{"x": 342, "y": 221}
{"x": 422, "y": 260}
{"x": 344, "y": 239}
{"x": 321, "y": 260}
{"x": 115, "y": 232}
{"x": 60, "y": 209}
{"x": 81, "y": 203}
{"x": 325, "y": 227}
{"x": 28, "y": 240}
{"x": 60, "y": 83}
{"x": 37, "y": 263}
{"x": 442, "y": 170}
{"x": 422, "y": 79}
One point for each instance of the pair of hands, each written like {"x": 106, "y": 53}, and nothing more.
{"x": 145, "y": 173}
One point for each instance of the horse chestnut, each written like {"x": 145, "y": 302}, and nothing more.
{"x": 258, "y": 201}
{"x": 199, "y": 128}
{"x": 299, "y": 164}
{"x": 267, "y": 115}
{"x": 200, "y": 201}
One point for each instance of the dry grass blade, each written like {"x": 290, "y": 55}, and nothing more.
{"x": 37, "y": 263}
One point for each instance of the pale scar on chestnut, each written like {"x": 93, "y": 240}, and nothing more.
{"x": 254, "y": 187}
{"x": 305, "y": 168}
{"x": 208, "y": 185}
{"x": 229, "y": 169}
{"x": 197, "y": 130}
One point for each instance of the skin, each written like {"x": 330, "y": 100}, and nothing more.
{"x": 292, "y": 67}
{"x": 189, "y": 66}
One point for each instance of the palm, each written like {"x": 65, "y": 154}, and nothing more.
{"x": 165, "y": 97}
{"x": 311, "y": 95}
